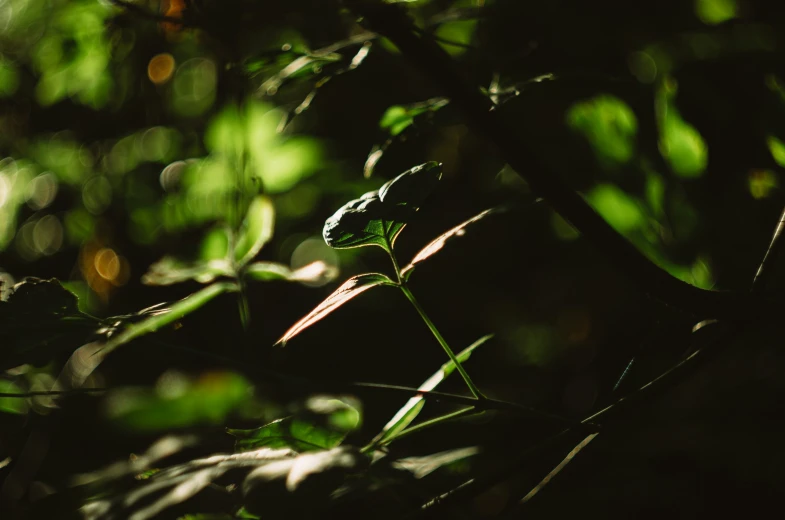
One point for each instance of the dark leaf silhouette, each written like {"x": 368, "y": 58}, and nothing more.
{"x": 39, "y": 319}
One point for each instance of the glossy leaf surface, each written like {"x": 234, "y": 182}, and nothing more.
{"x": 378, "y": 217}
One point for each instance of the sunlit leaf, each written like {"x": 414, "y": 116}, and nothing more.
{"x": 256, "y": 230}
{"x": 300, "y": 487}
{"x": 423, "y": 466}
{"x": 13, "y": 405}
{"x": 180, "y": 402}
{"x": 378, "y": 217}
{"x": 761, "y": 183}
{"x": 168, "y": 315}
{"x": 681, "y": 144}
{"x": 460, "y": 32}
{"x": 398, "y": 117}
{"x": 413, "y": 406}
{"x": 170, "y": 270}
{"x": 714, "y": 12}
{"x": 437, "y": 244}
{"x": 777, "y": 149}
{"x": 291, "y": 433}
{"x": 619, "y": 209}
{"x": 402, "y": 123}
{"x": 610, "y": 126}
{"x": 267, "y": 271}
{"x": 177, "y": 484}
{"x": 321, "y": 424}
{"x": 351, "y": 288}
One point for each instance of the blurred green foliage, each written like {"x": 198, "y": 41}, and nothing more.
{"x": 140, "y": 157}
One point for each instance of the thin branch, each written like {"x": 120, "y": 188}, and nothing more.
{"x": 571, "y": 455}
{"x": 764, "y": 274}
{"x": 485, "y": 404}
{"x": 473, "y": 487}
{"x": 425, "y": 54}
{"x": 36, "y": 393}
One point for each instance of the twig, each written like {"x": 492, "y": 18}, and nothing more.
{"x": 763, "y": 276}
{"x": 426, "y": 55}
{"x": 23, "y": 395}
{"x": 476, "y": 486}
{"x": 544, "y": 482}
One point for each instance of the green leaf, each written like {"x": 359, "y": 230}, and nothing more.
{"x": 413, "y": 406}
{"x": 14, "y": 405}
{"x": 378, "y": 217}
{"x": 322, "y": 424}
{"x": 403, "y": 124}
{"x": 399, "y": 117}
{"x": 610, "y": 126}
{"x": 169, "y": 270}
{"x": 39, "y": 319}
{"x": 287, "y": 433}
{"x": 267, "y": 271}
{"x": 424, "y": 466}
{"x": 180, "y": 402}
{"x": 438, "y": 243}
{"x": 212, "y": 263}
{"x": 167, "y": 315}
{"x": 352, "y": 287}
{"x": 256, "y": 230}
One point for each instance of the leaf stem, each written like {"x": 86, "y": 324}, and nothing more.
{"x": 435, "y": 421}
{"x": 472, "y": 387}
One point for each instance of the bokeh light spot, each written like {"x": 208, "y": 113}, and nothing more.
{"x": 313, "y": 250}
{"x": 97, "y": 194}
{"x": 161, "y": 68}
{"x": 41, "y": 191}
{"x": 107, "y": 264}
{"x": 48, "y": 235}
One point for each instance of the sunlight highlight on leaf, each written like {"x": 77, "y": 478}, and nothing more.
{"x": 378, "y": 217}
{"x": 713, "y": 12}
{"x": 620, "y": 210}
{"x": 777, "y": 149}
{"x": 351, "y": 288}
{"x": 256, "y": 230}
{"x": 680, "y": 143}
{"x": 437, "y": 244}
{"x": 610, "y": 126}
{"x": 315, "y": 272}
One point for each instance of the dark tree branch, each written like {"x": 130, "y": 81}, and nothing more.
{"x": 433, "y": 62}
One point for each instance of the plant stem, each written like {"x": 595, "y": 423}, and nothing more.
{"x": 472, "y": 387}
{"x": 435, "y": 421}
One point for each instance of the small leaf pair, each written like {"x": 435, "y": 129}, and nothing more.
{"x": 378, "y": 217}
